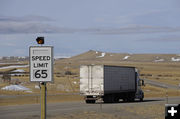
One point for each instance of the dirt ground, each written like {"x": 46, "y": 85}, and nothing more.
{"x": 149, "y": 111}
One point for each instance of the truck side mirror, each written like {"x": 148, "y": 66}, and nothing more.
{"x": 143, "y": 83}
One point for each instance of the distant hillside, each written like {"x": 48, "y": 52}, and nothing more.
{"x": 104, "y": 56}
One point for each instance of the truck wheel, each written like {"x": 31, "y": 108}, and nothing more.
{"x": 131, "y": 100}
{"x": 93, "y": 101}
{"x": 116, "y": 99}
{"x": 90, "y": 101}
{"x": 141, "y": 99}
{"x": 124, "y": 100}
{"x": 108, "y": 100}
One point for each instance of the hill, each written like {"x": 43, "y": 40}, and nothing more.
{"x": 124, "y": 57}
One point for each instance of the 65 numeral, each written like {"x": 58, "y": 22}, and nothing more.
{"x": 40, "y": 74}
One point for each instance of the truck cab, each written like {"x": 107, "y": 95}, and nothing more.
{"x": 139, "y": 92}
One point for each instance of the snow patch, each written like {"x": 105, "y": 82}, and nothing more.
{"x": 147, "y": 90}
{"x": 126, "y": 57}
{"x": 102, "y": 55}
{"x": 14, "y": 66}
{"x": 15, "y": 88}
{"x": 60, "y": 57}
{"x": 159, "y": 60}
{"x": 175, "y": 59}
{"x": 18, "y": 70}
{"x": 36, "y": 87}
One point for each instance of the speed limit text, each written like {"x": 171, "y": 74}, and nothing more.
{"x": 41, "y": 58}
{"x": 36, "y": 65}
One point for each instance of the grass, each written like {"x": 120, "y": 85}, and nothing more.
{"x": 152, "y": 91}
{"x": 134, "y": 111}
{"x": 54, "y": 96}
{"x": 20, "y": 100}
{"x": 151, "y": 111}
{"x": 88, "y": 115}
{"x": 162, "y": 72}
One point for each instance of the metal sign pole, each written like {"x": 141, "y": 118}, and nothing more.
{"x": 43, "y": 100}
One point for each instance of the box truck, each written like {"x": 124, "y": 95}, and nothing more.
{"x": 110, "y": 83}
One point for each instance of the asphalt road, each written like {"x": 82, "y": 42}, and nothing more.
{"x": 32, "y": 111}
{"x": 162, "y": 85}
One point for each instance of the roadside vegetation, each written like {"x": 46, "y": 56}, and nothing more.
{"x": 66, "y": 80}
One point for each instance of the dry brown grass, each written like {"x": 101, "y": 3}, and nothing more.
{"x": 167, "y": 72}
{"x": 152, "y": 111}
{"x": 90, "y": 115}
{"x": 152, "y": 91}
{"x": 134, "y": 111}
{"x": 20, "y": 100}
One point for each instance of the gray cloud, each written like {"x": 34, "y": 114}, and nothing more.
{"x": 40, "y": 24}
{"x": 28, "y": 27}
{"x": 24, "y": 18}
{"x": 136, "y": 30}
{"x": 29, "y": 24}
{"x": 166, "y": 38}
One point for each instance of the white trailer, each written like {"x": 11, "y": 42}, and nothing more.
{"x": 110, "y": 83}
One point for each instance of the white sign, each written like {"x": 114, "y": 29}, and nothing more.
{"x": 41, "y": 63}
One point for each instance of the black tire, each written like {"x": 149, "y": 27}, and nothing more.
{"x": 93, "y": 101}
{"x": 116, "y": 99}
{"x": 141, "y": 99}
{"x": 130, "y": 97}
{"x": 128, "y": 100}
{"x": 124, "y": 100}
{"x": 108, "y": 99}
{"x": 90, "y": 101}
{"x": 131, "y": 100}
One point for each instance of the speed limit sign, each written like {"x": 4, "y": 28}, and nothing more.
{"x": 41, "y": 63}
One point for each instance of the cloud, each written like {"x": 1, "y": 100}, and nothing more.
{"x": 129, "y": 18}
{"x": 40, "y": 24}
{"x": 136, "y": 29}
{"x": 29, "y": 24}
{"x": 24, "y": 18}
{"x": 166, "y": 38}
{"x": 26, "y": 27}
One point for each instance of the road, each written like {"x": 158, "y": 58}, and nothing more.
{"x": 161, "y": 85}
{"x": 32, "y": 111}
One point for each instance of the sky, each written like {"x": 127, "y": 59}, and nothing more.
{"x": 76, "y": 26}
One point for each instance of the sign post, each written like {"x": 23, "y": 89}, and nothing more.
{"x": 41, "y": 70}
{"x": 43, "y": 100}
